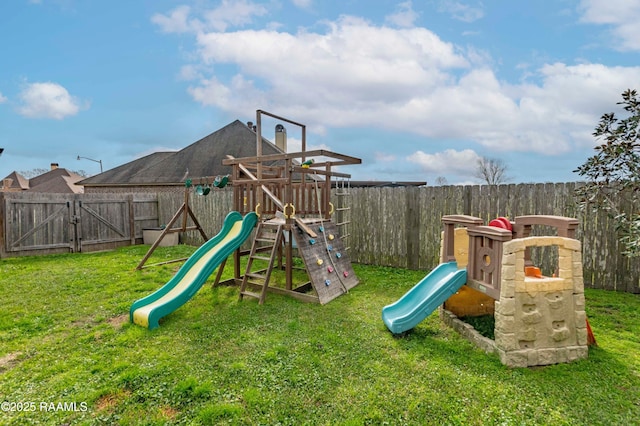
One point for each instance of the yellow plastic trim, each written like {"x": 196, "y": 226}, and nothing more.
{"x": 293, "y": 211}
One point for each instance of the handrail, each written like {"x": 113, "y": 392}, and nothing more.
{"x": 449, "y": 222}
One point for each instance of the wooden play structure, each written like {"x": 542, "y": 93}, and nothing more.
{"x": 539, "y": 320}
{"x": 291, "y": 193}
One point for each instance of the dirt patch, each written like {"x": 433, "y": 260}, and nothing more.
{"x": 119, "y": 321}
{"x": 8, "y": 361}
{"x": 169, "y": 413}
{"x": 109, "y": 401}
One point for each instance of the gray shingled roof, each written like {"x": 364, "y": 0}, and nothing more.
{"x": 18, "y": 181}
{"x": 202, "y": 159}
{"x": 125, "y": 172}
{"x": 60, "y": 181}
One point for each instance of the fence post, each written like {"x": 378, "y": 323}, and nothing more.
{"x": 413, "y": 228}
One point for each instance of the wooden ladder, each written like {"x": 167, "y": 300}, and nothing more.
{"x": 268, "y": 239}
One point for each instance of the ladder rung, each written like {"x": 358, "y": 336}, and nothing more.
{"x": 254, "y": 275}
{"x": 263, "y": 248}
{"x": 270, "y": 225}
{"x": 261, "y": 258}
{"x": 265, "y": 240}
{"x": 251, "y": 294}
{"x": 343, "y": 223}
{"x": 341, "y": 209}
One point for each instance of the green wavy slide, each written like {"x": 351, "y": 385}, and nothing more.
{"x": 147, "y": 311}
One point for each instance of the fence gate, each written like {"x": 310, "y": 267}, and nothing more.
{"x": 57, "y": 223}
{"x": 37, "y": 222}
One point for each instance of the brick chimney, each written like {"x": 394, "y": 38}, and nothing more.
{"x": 54, "y": 166}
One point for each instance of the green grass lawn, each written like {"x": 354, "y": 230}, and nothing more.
{"x": 65, "y": 338}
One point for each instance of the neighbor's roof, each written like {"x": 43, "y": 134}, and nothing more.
{"x": 126, "y": 172}
{"x": 202, "y": 159}
{"x": 19, "y": 181}
{"x": 59, "y": 181}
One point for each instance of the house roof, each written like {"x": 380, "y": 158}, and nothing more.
{"x": 59, "y": 180}
{"x": 18, "y": 181}
{"x": 125, "y": 172}
{"x": 202, "y": 158}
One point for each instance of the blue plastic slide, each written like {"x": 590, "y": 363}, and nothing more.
{"x": 147, "y": 311}
{"x": 419, "y": 302}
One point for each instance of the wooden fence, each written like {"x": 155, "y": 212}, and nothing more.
{"x": 36, "y": 223}
{"x": 397, "y": 227}
{"x": 401, "y": 226}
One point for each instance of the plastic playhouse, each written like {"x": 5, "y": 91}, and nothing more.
{"x": 539, "y": 320}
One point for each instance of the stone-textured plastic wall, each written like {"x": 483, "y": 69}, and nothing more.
{"x": 541, "y": 321}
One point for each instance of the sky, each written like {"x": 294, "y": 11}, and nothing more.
{"x": 418, "y": 89}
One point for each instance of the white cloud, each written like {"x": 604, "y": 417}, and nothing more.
{"x": 460, "y": 11}
{"x": 295, "y": 145}
{"x": 3, "y": 98}
{"x": 230, "y": 13}
{"x": 302, "y": 4}
{"x": 353, "y": 73}
{"x": 48, "y": 100}
{"x": 333, "y": 76}
{"x": 176, "y": 22}
{"x": 404, "y": 17}
{"x": 189, "y": 72}
{"x": 450, "y": 161}
{"x": 233, "y": 13}
{"x": 623, "y": 17}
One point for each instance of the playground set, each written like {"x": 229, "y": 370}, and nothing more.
{"x": 539, "y": 320}
{"x": 286, "y": 197}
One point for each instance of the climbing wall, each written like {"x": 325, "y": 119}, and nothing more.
{"x": 326, "y": 260}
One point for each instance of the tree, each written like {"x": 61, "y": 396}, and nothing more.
{"x": 441, "y": 181}
{"x": 40, "y": 171}
{"x": 491, "y": 171}
{"x": 33, "y": 172}
{"x": 613, "y": 173}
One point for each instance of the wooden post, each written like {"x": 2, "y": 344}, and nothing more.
{"x": 132, "y": 220}
{"x": 413, "y": 224}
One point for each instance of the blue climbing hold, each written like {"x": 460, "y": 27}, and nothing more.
{"x": 327, "y": 282}
{"x": 312, "y": 241}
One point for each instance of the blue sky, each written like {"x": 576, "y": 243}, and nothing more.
{"x": 418, "y": 89}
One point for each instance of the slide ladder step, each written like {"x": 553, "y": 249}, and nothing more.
{"x": 264, "y": 234}
{"x": 252, "y": 294}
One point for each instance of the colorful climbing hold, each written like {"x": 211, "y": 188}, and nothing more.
{"x": 312, "y": 241}
{"x": 330, "y": 269}
{"x": 319, "y": 261}
{"x": 338, "y": 255}
{"x": 331, "y": 237}
{"x": 346, "y": 274}
{"x": 329, "y": 247}
{"x": 321, "y": 229}
{"x": 327, "y": 282}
